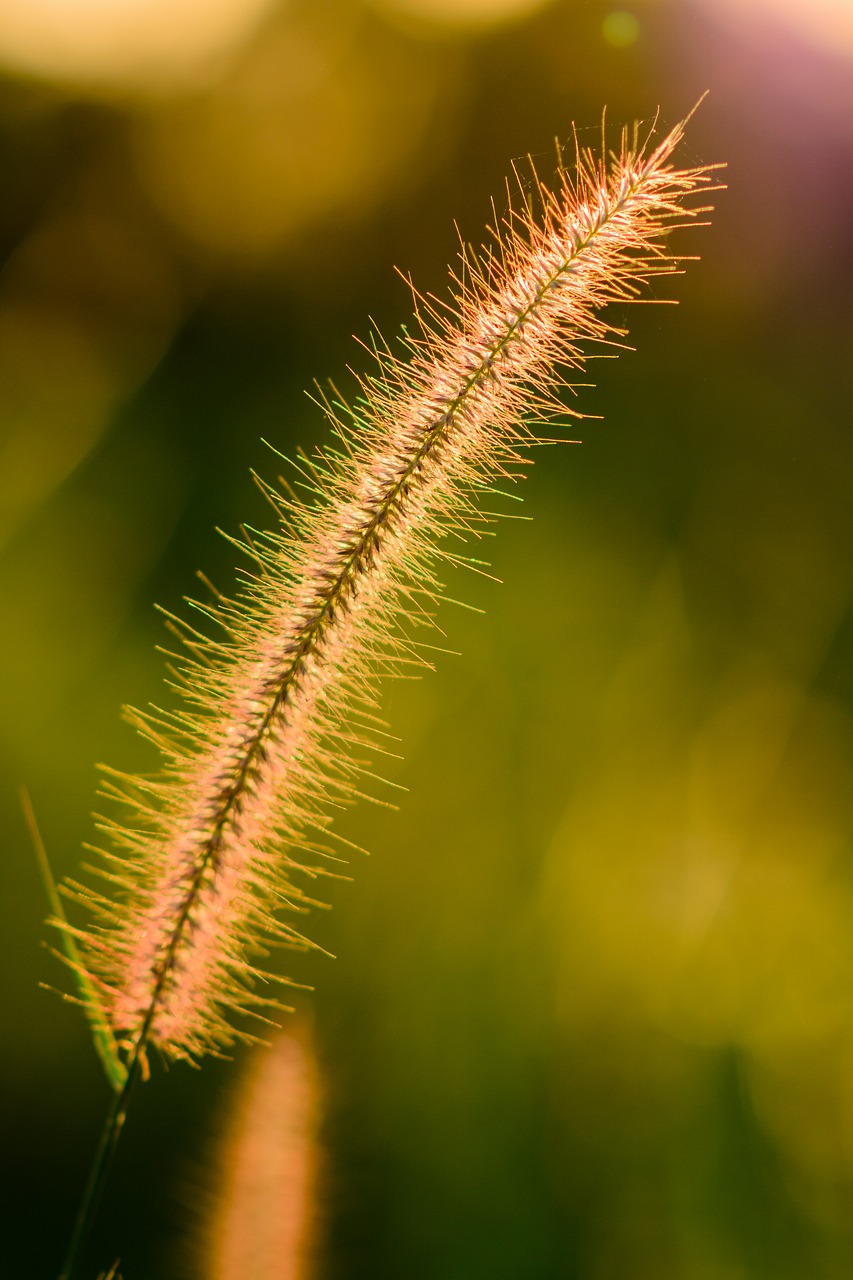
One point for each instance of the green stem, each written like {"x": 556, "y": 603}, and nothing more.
{"x": 102, "y": 1164}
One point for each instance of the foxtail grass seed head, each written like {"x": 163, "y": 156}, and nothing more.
{"x": 279, "y": 707}
{"x": 264, "y": 1220}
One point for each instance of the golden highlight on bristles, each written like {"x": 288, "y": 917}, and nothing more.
{"x": 277, "y": 710}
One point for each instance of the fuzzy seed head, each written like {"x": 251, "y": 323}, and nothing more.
{"x": 279, "y": 709}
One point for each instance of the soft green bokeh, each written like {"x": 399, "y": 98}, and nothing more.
{"x": 591, "y": 1014}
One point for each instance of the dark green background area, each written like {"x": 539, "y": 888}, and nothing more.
{"x": 591, "y": 1011}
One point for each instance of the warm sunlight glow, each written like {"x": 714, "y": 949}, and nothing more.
{"x": 827, "y": 23}
{"x": 478, "y": 13}
{"x": 114, "y": 42}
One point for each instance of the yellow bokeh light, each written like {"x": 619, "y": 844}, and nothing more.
{"x": 307, "y": 124}
{"x": 141, "y": 43}
{"x": 620, "y": 29}
{"x": 462, "y": 13}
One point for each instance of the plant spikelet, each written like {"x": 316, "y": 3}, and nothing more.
{"x": 278, "y": 710}
{"x": 265, "y": 1216}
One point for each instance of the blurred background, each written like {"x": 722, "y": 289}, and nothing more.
{"x": 591, "y": 1014}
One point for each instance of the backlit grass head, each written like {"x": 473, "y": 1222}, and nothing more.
{"x": 279, "y": 717}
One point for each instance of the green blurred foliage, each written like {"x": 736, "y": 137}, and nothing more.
{"x": 591, "y": 1015}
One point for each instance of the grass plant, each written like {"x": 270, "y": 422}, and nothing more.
{"x": 213, "y": 860}
{"x": 263, "y": 1224}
